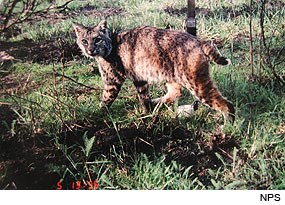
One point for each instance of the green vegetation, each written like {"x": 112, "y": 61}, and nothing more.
{"x": 52, "y": 130}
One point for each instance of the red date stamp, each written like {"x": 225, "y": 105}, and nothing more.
{"x": 79, "y": 185}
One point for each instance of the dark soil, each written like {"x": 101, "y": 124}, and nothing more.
{"x": 41, "y": 52}
{"x": 15, "y": 84}
{"x": 183, "y": 11}
{"x": 89, "y": 10}
{"x": 24, "y": 156}
{"x": 93, "y": 11}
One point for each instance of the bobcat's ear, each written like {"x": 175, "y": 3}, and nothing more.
{"x": 78, "y": 28}
{"x": 103, "y": 25}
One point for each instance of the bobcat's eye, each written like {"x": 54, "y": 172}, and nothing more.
{"x": 84, "y": 42}
{"x": 97, "y": 40}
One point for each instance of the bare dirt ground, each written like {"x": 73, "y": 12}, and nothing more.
{"x": 43, "y": 52}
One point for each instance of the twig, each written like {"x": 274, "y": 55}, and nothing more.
{"x": 26, "y": 13}
{"x": 5, "y": 103}
{"x": 8, "y": 16}
{"x": 250, "y": 39}
{"x": 52, "y": 98}
{"x": 64, "y": 6}
{"x": 268, "y": 59}
{"x": 145, "y": 141}
{"x": 21, "y": 98}
{"x": 81, "y": 84}
{"x": 225, "y": 153}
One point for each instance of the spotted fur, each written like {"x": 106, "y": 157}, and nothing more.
{"x": 148, "y": 54}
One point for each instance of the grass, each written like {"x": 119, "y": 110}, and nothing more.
{"x": 51, "y": 128}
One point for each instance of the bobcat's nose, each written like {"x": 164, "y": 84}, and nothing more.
{"x": 92, "y": 52}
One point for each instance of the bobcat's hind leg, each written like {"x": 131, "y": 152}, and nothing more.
{"x": 219, "y": 103}
{"x": 173, "y": 92}
{"x": 205, "y": 90}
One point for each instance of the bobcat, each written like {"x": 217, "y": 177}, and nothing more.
{"x": 147, "y": 54}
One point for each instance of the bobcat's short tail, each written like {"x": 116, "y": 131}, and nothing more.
{"x": 213, "y": 54}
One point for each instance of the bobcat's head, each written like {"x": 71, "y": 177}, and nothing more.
{"x": 94, "y": 41}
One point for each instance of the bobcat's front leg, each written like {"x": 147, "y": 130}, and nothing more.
{"x": 110, "y": 93}
{"x": 144, "y": 97}
{"x": 113, "y": 79}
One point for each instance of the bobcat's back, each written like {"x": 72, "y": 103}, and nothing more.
{"x": 159, "y": 54}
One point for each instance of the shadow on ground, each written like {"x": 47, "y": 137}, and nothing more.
{"x": 25, "y": 157}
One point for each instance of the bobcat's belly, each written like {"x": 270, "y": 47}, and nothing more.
{"x": 149, "y": 73}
